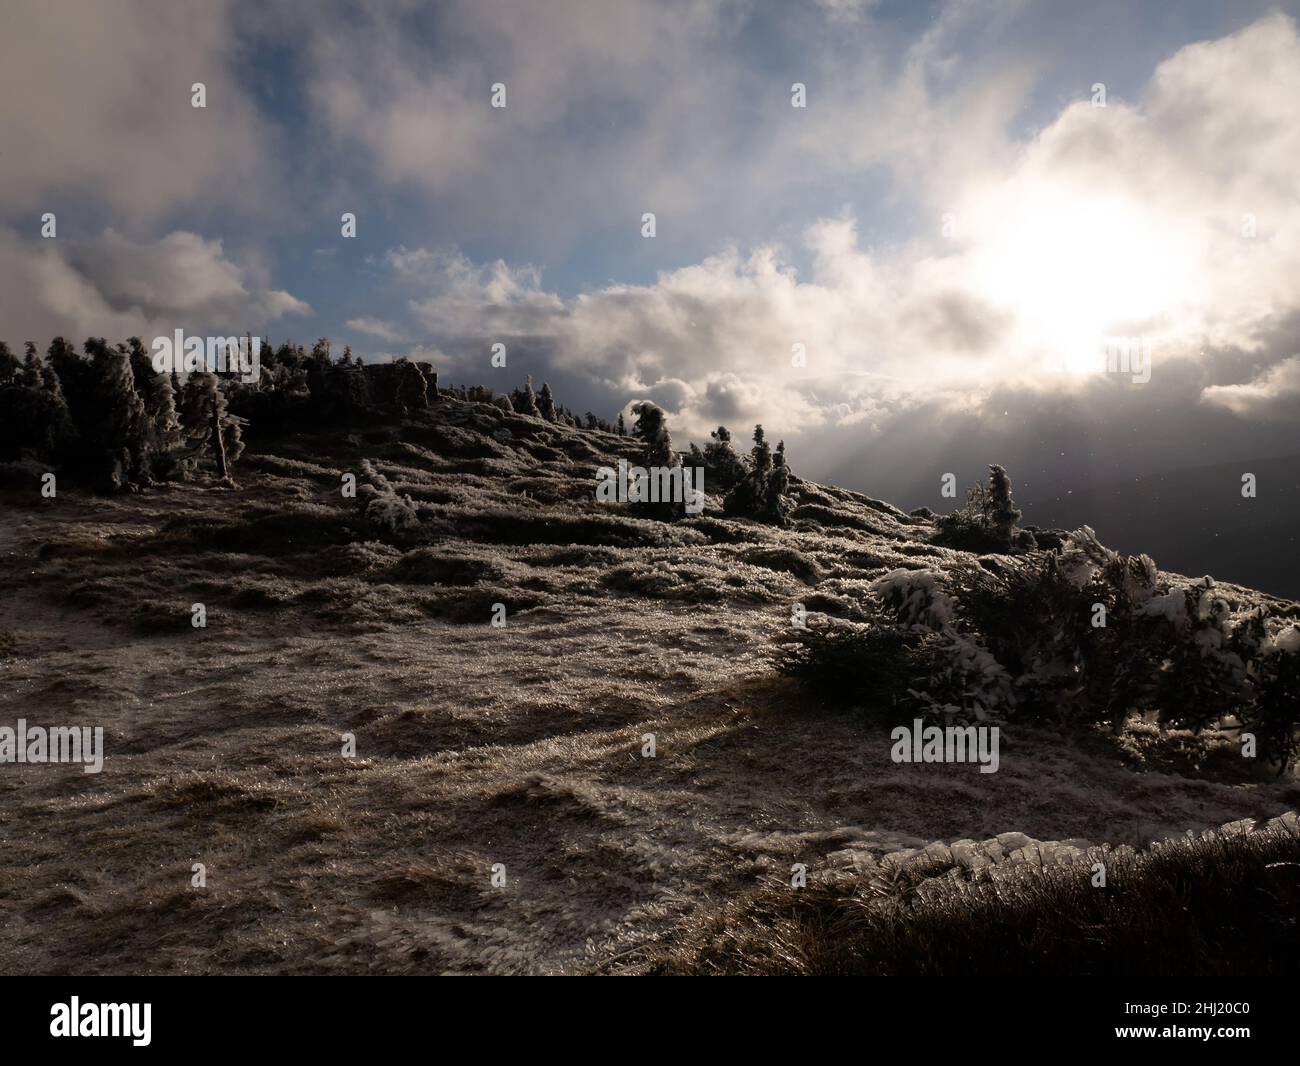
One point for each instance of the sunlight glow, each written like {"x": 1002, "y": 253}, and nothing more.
{"x": 1076, "y": 268}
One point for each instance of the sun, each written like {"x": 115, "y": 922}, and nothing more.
{"x": 1078, "y": 269}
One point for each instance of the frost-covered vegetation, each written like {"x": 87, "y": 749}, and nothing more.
{"x": 108, "y": 418}
{"x": 370, "y": 614}
{"x": 1080, "y": 636}
{"x": 972, "y": 910}
{"x": 987, "y": 523}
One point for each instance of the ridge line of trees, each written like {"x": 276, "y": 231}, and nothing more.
{"x": 104, "y": 415}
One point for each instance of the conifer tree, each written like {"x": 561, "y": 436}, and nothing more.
{"x": 114, "y": 428}
{"x": 56, "y": 436}
{"x": 657, "y": 455}
{"x": 652, "y": 427}
{"x": 10, "y": 366}
{"x": 208, "y": 424}
{"x": 526, "y": 402}
{"x": 33, "y": 413}
{"x": 163, "y": 427}
{"x": 759, "y": 493}
{"x": 412, "y": 390}
{"x": 1002, "y": 512}
{"x": 778, "y": 484}
{"x": 30, "y": 375}
{"x": 724, "y": 467}
{"x": 760, "y": 455}
{"x": 74, "y": 373}
{"x": 546, "y": 404}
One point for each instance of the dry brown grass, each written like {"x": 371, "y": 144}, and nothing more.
{"x": 475, "y": 746}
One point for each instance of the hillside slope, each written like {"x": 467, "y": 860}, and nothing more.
{"x": 476, "y": 745}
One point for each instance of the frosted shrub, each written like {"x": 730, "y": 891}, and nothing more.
{"x": 384, "y": 509}
{"x": 1273, "y": 713}
{"x": 965, "y": 680}
{"x": 987, "y": 523}
{"x": 915, "y": 598}
{"x": 393, "y": 513}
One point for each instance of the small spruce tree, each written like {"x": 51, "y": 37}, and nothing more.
{"x": 526, "y": 401}
{"x": 546, "y": 404}
{"x": 1002, "y": 512}
{"x": 10, "y": 366}
{"x": 723, "y": 466}
{"x": 207, "y": 423}
{"x": 758, "y": 494}
{"x": 412, "y": 389}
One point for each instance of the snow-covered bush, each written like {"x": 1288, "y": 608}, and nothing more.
{"x": 915, "y": 598}
{"x": 965, "y": 681}
{"x": 1082, "y": 636}
{"x": 1273, "y": 712}
{"x": 384, "y": 509}
{"x": 871, "y": 666}
{"x": 987, "y": 523}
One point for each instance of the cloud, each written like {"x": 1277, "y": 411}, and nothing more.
{"x": 1102, "y": 226}
{"x": 847, "y": 10}
{"x": 1273, "y": 395}
{"x": 105, "y": 118}
{"x": 375, "y": 327}
{"x": 491, "y": 301}
{"x": 115, "y": 287}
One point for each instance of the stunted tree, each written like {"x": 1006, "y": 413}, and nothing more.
{"x": 162, "y": 424}
{"x": 724, "y": 467}
{"x": 34, "y": 416}
{"x": 350, "y": 389}
{"x": 759, "y": 494}
{"x": 56, "y": 435}
{"x": 30, "y": 375}
{"x": 652, "y": 427}
{"x": 526, "y": 401}
{"x": 657, "y": 456}
{"x": 780, "y": 479}
{"x": 987, "y": 523}
{"x": 760, "y": 455}
{"x": 1002, "y": 511}
{"x": 207, "y": 423}
{"x": 75, "y": 375}
{"x": 10, "y": 365}
{"x": 546, "y": 404}
{"x": 412, "y": 389}
{"x": 114, "y": 426}
{"x": 622, "y": 426}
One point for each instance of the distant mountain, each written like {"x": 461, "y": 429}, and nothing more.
{"x": 1196, "y": 521}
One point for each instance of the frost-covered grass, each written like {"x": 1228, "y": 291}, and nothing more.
{"x": 1221, "y": 904}
{"x": 520, "y": 745}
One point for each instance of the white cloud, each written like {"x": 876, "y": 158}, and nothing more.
{"x": 375, "y": 327}
{"x": 847, "y": 10}
{"x": 114, "y": 287}
{"x": 1273, "y": 394}
{"x": 1122, "y": 221}
{"x": 98, "y": 109}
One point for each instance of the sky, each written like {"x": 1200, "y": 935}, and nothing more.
{"x": 920, "y": 271}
